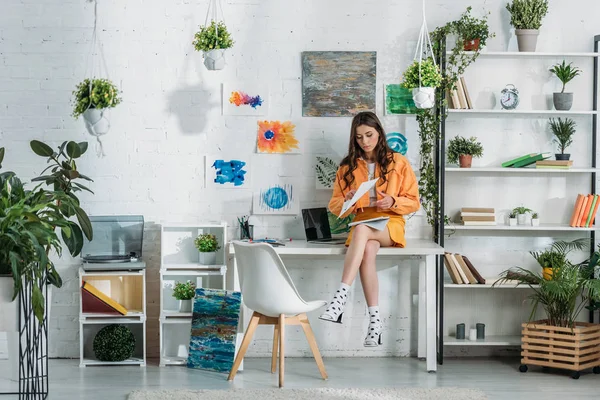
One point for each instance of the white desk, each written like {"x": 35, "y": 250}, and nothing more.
{"x": 423, "y": 250}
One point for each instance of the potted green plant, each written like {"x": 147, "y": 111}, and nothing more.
{"x": 422, "y": 77}
{"x": 556, "y": 255}
{"x": 526, "y": 17}
{"x": 512, "y": 219}
{"x": 207, "y": 244}
{"x": 569, "y": 290}
{"x": 535, "y": 219}
{"x": 213, "y": 40}
{"x": 521, "y": 214}
{"x": 566, "y": 73}
{"x": 184, "y": 292}
{"x": 563, "y": 131}
{"x": 92, "y": 99}
{"x": 472, "y": 32}
{"x": 462, "y": 150}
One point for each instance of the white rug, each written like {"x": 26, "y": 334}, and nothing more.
{"x": 312, "y": 394}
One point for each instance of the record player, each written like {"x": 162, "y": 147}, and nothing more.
{"x": 116, "y": 245}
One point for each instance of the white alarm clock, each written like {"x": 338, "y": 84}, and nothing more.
{"x": 509, "y": 97}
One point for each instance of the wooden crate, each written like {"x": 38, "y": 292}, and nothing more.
{"x": 573, "y": 349}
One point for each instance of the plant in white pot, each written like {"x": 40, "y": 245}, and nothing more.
{"x": 207, "y": 244}
{"x": 93, "y": 98}
{"x": 213, "y": 40}
{"x": 462, "y": 150}
{"x": 535, "y": 219}
{"x": 564, "y": 101}
{"x": 563, "y": 131}
{"x": 521, "y": 214}
{"x": 512, "y": 219}
{"x": 526, "y": 16}
{"x": 423, "y": 77}
{"x": 184, "y": 292}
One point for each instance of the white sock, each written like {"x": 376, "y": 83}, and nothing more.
{"x": 374, "y": 317}
{"x": 336, "y": 306}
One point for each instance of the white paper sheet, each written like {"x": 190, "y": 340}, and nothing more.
{"x": 362, "y": 189}
{"x": 378, "y": 223}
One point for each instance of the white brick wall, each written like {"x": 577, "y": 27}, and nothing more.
{"x": 170, "y": 116}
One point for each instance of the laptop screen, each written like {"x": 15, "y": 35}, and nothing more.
{"x": 115, "y": 237}
{"x": 316, "y": 223}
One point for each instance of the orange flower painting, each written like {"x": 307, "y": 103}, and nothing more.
{"x": 276, "y": 137}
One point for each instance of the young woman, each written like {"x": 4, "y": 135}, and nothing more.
{"x": 395, "y": 194}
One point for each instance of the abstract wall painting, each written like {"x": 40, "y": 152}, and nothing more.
{"x": 215, "y": 320}
{"x": 277, "y": 137}
{"x": 397, "y": 142}
{"x": 245, "y": 98}
{"x": 280, "y": 198}
{"x": 325, "y": 170}
{"x": 338, "y": 83}
{"x": 398, "y": 100}
{"x": 227, "y": 172}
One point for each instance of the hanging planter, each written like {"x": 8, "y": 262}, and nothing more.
{"x": 423, "y": 75}
{"x": 213, "y": 39}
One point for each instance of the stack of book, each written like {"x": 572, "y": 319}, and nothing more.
{"x": 584, "y": 212}
{"x": 478, "y": 216}
{"x": 461, "y": 270}
{"x": 554, "y": 164}
{"x": 526, "y": 160}
{"x": 459, "y": 98}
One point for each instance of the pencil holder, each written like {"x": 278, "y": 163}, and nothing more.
{"x": 460, "y": 331}
{"x": 480, "y": 330}
{"x": 246, "y": 232}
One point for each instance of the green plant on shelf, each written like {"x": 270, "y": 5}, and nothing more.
{"x": 459, "y": 145}
{"x": 184, "y": 290}
{"x": 521, "y": 210}
{"x": 534, "y": 215}
{"x": 563, "y": 131}
{"x": 565, "y": 73}
{"x": 470, "y": 28}
{"x": 207, "y": 243}
{"x": 512, "y": 215}
{"x": 527, "y": 14}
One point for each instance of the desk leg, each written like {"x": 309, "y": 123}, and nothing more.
{"x": 430, "y": 278}
{"x": 421, "y": 308}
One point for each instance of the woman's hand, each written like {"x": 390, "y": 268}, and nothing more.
{"x": 386, "y": 202}
{"x": 349, "y": 195}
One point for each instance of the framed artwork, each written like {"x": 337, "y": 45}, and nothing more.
{"x": 245, "y": 98}
{"x": 226, "y": 172}
{"x": 279, "y": 198}
{"x": 325, "y": 170}
{"x": 338, "y": 83}
{"x": 277, "y": 137}
{"x": 398, "y": 100}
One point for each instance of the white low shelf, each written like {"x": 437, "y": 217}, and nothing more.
{"x": 502, "y": 227}
{"x": 534, "y": 54}
{"x": 488, "y": 341}
{"x": 474, "y": 170}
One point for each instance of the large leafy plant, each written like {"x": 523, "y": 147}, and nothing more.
{"x": 527, "y": 14}
{"x": 462, "y": 146}
{"x": 29, "y": 220}
{"x": 94, "y": 93}
{"x": 424, "y": 73}
{"x": 212, "y": 37}
{"x": 563, "y": 131}
{"x": 565, "y": 72}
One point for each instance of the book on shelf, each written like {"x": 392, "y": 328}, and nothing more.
{"x": 512, "y": 162}
{"x": 461, "y": 270}
{"x": 531, "y": 160}
{"x": 584, "y": 211}
{"x": 458, "y": 98}
{"x": 477, "y": 216}
{"x": 468, "y": 98}
{"x": 554, "y": 163}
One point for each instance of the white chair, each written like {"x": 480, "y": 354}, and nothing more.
{"x": 268, "y": 290}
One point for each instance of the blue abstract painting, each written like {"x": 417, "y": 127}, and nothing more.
{"x": 397, "y": 142}
{"x": 229, "y": 172}
{"x": 215, "y": 320}
{"x": 276, "y": 199}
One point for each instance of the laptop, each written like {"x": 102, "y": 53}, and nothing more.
{"x": 116, "y": 245}
{"x": 316, "y": 226}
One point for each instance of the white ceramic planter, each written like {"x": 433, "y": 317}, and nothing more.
{"x": 512, "y": 222}
{"x": 96, "y": 121}
{"x": 522, "y": 219}
{"x": 214, "y": 59}
{"x": 535, "y": 222}
{"x": 185, "y": 306}
{"x": 9, "y": 329}
{"x": 424, "y": 97}
{"x": 208, "y": 258}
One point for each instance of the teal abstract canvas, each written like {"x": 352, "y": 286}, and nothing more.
{"x": 214, "y": 329}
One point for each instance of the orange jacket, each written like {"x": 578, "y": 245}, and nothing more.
{"x": 401, "y": 184}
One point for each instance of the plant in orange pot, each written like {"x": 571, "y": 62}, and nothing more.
{"x": 472, "y": 32}
{"x": 462, "y": 150}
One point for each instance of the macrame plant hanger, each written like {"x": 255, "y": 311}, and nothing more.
{"x": 97, "y": 121}
{"x": 424, "y": 97}
{"x": 214, "y": 59}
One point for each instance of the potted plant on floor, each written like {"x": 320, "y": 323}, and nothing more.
{"x": 93, "y": 99}
{"x": 213, "y": 40}
{"x": 535, "y": 219}
{"x": 521, "y": 214}
{"x": 462, "y": 150}
{"x": 184, "y": 292}
{"x": 526, "y": 16}
{"x": 512, "y": 219}
{"x": 563, "y": 297}
{"x": 207, "y": 245}
{"x": 564, "y": 101}
{"x": 472, "y": 32}
{"x": 422, "y": 77}
{"x": 563, "y": 131}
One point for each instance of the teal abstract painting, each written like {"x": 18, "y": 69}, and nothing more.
{"x": 399, "y": 100}
{"x": 215, "y": 320}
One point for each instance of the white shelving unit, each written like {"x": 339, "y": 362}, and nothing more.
{"x": 516, "y": 228}
{"x": 520, "y": 112}
{"x": 516, "y": 171}
{"x": 180, "y": 262}
{"x": 127, "y": 288}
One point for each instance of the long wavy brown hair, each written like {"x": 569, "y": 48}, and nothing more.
{"x": 383, "y": 154}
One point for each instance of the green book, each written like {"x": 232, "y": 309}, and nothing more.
{"x": 589, "y": 218}
{"x": 531, "y": 160}
{"x": 511, "y": 162}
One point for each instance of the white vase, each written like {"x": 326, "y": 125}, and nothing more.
{"x": 424, "y": 97}
{"x": 512, "y": 222}
{"x": 185, "y": 306}
{"x": 96, "y": 121}
{"x": 522, "y": 219}
{"x": 535, "y": 222}
{"x": 214, "y": 59}
{"x": 208, "y": 258}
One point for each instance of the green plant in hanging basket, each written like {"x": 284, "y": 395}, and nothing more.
{"x": 212, "y": 37}
{"x": 430, "y": 75}
{"x": 94, "y": 93}
{"x": 462, "y": 146}
{"x": 114, "y": 343}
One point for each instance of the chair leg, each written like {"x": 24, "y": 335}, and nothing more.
{"x": 281, "y": 347}
{"x": 245, "y": 343}
{"x": 275, "y": 346}
{"x": 312, "y": 342}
